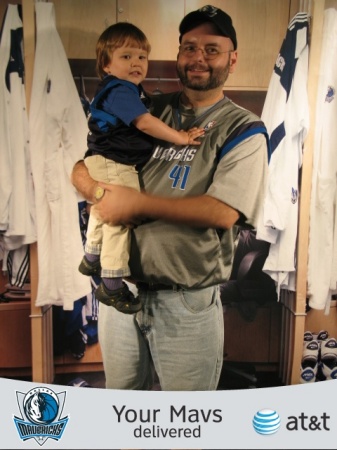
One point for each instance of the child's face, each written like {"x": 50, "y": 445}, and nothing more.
{"x": 128, "y": 63}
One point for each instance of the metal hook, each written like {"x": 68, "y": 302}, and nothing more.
{"x": 157, "y": 90}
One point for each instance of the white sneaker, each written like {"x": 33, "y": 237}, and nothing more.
{"x": 309, "y": 363}
{"x": 329, "y": 359}
{"x": 320, "y": 336}
{"x": 308, "y": 336}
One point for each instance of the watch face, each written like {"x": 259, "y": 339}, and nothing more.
{"x": 99, "y": 192}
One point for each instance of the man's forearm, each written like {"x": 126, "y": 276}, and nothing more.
{"x": 201, "y": 211}
{"x": 122, "y": 205}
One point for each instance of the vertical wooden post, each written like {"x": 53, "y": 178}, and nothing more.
{"x": 41, "y": 318}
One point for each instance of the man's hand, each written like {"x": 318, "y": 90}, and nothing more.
{"x": 119, "y": 206}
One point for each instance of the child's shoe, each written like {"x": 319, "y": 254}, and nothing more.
{"x": 122, "y": 299}
{"x": 90, "y": 268}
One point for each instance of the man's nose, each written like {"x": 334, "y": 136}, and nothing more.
{"x": 199, "y": 53}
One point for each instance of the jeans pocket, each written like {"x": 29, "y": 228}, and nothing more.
{"x": 199, "y": 300}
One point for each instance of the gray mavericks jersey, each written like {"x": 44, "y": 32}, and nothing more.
{"x": 230, "y": 165}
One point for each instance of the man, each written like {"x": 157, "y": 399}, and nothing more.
{"x": 194, "y": 198}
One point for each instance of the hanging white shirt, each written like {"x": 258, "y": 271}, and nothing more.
{"x": 322, "y": 253}
{"x": 286, "y": 116}
{"x": 17, "y": 204}
{"x": 58, "y": 130}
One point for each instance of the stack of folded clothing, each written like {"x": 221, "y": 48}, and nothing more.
{"x": 13, "y": 293}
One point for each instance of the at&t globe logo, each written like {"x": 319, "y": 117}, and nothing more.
{"x": 266, "y": 421}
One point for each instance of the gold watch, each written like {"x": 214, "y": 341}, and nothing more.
{"x": 98, "y": 194}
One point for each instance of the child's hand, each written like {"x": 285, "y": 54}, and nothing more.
{"x": 190, "y": 135}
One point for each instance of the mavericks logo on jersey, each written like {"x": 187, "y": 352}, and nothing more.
{"x": 41, "y": 410}
{"x": 330, "y": 95}
{"x": 294, "y": 195}
{"x": 185, "y": 153}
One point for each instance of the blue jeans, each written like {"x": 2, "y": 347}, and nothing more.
{"x": 180, "y": 331}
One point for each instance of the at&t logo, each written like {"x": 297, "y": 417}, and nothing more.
{"x": 266, "y": 421}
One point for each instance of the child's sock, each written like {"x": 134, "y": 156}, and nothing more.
{"x": 91, "y": 257}
{"x": 113, "y": 283}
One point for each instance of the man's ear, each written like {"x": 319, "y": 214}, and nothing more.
{"x": 233, "y": 60}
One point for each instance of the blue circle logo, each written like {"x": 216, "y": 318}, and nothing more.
{"x": 41, "y": 405}
{"x": 266, "y": 421}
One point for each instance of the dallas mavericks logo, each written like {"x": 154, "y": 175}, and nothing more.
{"x": 211, "y": 11}
{"x": 209, "y": 125}
{"x": 41, "y": 411}
{"x": 330, "y": 95}
{"x": 294, "y": 195}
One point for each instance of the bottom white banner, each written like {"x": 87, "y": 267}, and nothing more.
{"x": 34, "y": 415}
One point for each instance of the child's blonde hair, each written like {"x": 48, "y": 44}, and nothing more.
{"x": 116, "y": 36}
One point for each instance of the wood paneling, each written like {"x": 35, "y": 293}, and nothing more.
{"x": 91, "y": 361}
{"x": 159, "y": 20}
{"x": 260, "y": 27}
{"x": 15, "y": 335}
{"x": 317, "y": 320}
{"x": 256, "y": 341}
{"x": 80, "y": 23}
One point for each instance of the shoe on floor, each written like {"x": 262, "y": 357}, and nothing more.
{"x": 321, "y": 336}
{"x": 308, "y": 336}
{"x": 122, "y": 299}
{"x": 76, "y": 344}
{"x": 309, "y": 363}
{"x": 79, "y": 382}
{"x": 329, "y": 359}
{"x": 90, "y": 268}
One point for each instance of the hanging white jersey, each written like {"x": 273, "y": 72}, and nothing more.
{"x": 322, "y": 262}
{"x": 286, "y": 116}
{"x": 17, "y": 207}
{"x": 58, "y": 129}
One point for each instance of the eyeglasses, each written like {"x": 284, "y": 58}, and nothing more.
{"x": 208, "y": 52}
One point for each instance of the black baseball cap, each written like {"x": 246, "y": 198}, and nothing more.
{"x": 212, "y": 14}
